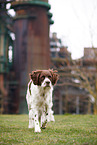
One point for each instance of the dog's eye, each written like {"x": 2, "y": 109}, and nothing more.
{"x": 49, "y": 77}
{"x": 43, "y": 77}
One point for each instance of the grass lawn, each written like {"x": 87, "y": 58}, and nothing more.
{"x": 67, "y": 130}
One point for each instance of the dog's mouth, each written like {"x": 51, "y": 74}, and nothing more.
{"x": 47, "y": 85}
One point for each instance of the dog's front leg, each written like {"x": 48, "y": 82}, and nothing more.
{"x": 31, "y": 119}
{"x": 49, "y": 113}
{"x": 50, "y": 116}
{"x": 36, "y": 122}
{"x": 43, "y": 120}
{"x": 44, "y": 117}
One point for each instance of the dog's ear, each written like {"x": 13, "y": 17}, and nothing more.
{"x": 35, "y": 76}
{"x": 55, "y": 76}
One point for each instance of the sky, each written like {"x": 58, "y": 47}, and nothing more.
{"x": 75, "y": 22}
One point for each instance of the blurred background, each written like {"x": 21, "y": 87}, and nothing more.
{"x": 42, "y": 34}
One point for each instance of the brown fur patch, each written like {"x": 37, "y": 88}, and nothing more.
{"x": 39, "y": 75}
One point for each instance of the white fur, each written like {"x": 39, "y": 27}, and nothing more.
{"x": 39, "y": 100}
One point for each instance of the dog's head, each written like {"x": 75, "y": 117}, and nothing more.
{"x": 44, "y": 78}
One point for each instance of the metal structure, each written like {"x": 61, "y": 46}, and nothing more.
{"x": 31, "y": 48}
{"x": 5, "y": 43}
{"x": 71, "y": 94}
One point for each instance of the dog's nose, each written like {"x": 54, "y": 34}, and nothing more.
{"x": 47, "y": 82}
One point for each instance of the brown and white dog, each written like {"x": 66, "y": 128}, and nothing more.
{"x": 39, "y": 97}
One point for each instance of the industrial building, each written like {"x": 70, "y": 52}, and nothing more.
{"x": 31, "y": 49}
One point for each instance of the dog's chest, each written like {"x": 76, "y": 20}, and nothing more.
{"x": 42, "y": 98}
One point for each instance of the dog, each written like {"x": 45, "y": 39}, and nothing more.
{"x": 39, "y": 98}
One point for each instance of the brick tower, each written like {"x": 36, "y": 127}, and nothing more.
{"x": 31, "y": 48}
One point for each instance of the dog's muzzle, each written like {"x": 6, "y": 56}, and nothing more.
{"x": 46, "y": 83}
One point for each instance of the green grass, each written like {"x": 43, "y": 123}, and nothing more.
{"x": 67, "y": 130}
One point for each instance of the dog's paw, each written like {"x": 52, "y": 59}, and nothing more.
{"x": 52, "y": 119}
{"x": 30, "y": 126}
{"x": 37, "y": 130}
{"x": 44, "y": 125}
